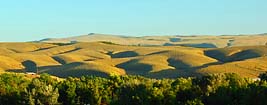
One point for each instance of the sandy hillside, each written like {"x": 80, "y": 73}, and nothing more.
{"x": 198, "y": 41}
{"x": 102, "y": 59}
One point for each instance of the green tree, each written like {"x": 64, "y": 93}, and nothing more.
{"x": 41, "y": 93}
{"x": 263, "y": 76}
{"x": 67, "y": 94}
{"x": 12, "y": 89}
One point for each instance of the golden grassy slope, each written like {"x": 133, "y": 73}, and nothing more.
{"x": 101, "y": 59}
{"x": 237, "y": 53}
{"x": 24, "y": 47}
{"x": 215, "y": 41}
{"x": 247, "y": 68}
{"x": 9, "y": 63}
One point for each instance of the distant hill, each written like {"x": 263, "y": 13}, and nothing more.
{"x": 199, "y": 41}
{"x": 102, "y": 59}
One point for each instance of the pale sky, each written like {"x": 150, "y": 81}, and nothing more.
{"x": 28, "y": 20}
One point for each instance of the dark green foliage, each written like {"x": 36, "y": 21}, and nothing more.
{"x": 221, "y": 89}
{"x": 263, "y": 76}
{"x": 106, "y": 42}
{"x": 12, "y": 89}
{"x": 62, "y": 44}
{"x": 67, "y": 92}
{"x": 92, "y": 90}
{"x": 40, "y": 92}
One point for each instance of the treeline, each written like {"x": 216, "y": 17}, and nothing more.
{"x": 221, "y": 89}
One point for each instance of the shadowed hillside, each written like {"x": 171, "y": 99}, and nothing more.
{"x": 103, "y": 59}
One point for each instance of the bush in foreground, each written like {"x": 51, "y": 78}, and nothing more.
{"x": 221, "y": 89}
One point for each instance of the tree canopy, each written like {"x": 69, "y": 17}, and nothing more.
{"x": 220, "y": 89}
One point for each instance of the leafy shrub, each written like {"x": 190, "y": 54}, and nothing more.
{"x": 220, "y": 89}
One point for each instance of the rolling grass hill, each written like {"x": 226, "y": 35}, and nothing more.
{"x": 198, "y": 41}
{"x": 102, "y": 59}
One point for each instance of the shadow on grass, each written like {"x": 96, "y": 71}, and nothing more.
{"x": 124, "y": 54}
{"x": 64, "y": 71}
{"x": 133, "y": 67}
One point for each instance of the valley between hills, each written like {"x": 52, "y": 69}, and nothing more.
{"x": 106, "y": 58}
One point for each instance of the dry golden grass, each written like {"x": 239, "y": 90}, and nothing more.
{"x": 246, "y": 68}
{"x": 8, "y": 63}
{"x": 78, "y": 69}
{"x": 237, "y": 53}
{"x": 218, "y": 41}
{"x": 40, "y": 60}
{"x": 25, "y": 47}
{"x": 101, "y": 59}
